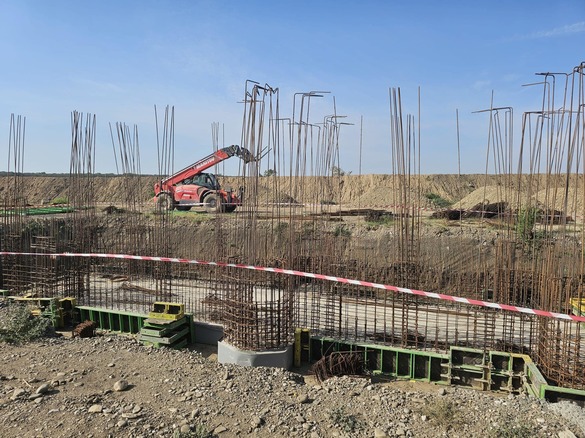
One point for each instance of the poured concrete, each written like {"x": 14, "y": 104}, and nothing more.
{"x": 206, "y": 333}
{"x": 282, "y": 358}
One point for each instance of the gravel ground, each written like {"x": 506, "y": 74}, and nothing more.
{"x": 111, "y": 386}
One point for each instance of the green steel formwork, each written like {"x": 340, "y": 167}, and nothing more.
{"x": 167, "y": 333}
{"x": 537, "y": 386}
{"x": 483, "y": 370}
{"x": 395, "y": 362}
{"x": 114, "y": 320}
{"x": 134, "y": 323}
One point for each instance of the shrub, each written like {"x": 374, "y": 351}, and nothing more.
{"x": 346, "y": 422}
{"x": 527, "y": 218}
{"x": 437, "y": 201}
{"x": 379, "y": 218}
{"x": 342, "y": 231}
{"x": 338, "y": 171}
{"x": 18, "y": 326}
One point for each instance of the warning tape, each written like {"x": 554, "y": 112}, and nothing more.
{"x": 316, "y": 276}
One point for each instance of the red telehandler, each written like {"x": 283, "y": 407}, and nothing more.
{"x": 191, "y": 186}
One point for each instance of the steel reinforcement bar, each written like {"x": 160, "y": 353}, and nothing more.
{"x": 473, "y": 302}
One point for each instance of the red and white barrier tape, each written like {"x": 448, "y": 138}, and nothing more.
{"x": 317, "y": 276}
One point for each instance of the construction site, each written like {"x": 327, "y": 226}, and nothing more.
{"x": 468, "y": 280}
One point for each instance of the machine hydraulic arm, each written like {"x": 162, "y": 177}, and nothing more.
{"x": 203, "y": 164}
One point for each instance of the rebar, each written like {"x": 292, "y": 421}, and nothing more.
{"x": 514, "y": 238}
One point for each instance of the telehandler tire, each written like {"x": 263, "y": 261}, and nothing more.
{"x": 164, "y": 202}
{"x": 214, "y": 203}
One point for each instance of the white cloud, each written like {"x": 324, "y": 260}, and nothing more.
{"x": 481, "y": 85}
{"x": 98, "y": 85}
{"x": 567, "y": 29}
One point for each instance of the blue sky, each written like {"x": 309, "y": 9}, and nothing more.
{"x": 117, "y": 59}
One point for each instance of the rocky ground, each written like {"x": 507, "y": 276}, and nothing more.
{"x": 111, "y": 386}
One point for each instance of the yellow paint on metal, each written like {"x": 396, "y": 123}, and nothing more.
{"x": 578, "y": 306}
{"x": 167, "y": 311}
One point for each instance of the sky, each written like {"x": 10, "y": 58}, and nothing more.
{"x": 118, "y": 58}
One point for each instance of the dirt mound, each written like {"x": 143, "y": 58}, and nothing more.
{"x": 366, "y": 191}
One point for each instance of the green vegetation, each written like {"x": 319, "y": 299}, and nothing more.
{"x": 18, "y": 326}
{"x": 269, "y": 172}
{"x": 338, "y": 171}
{"x": 532, "y": 240}
{"x": 60, "y": 200}
{"x": 437, "y": 201}
{"x": 346, "y": 422}
{"x": 377, "y": 218}
{"x": 526, "y": 222}
{"x": 308, "y": 229}
{"x": 199, "y": 431}
{"x": 442, "y": 412}
{"x": 281, "y": 227}
{"x": 192, "y": 216}
{"x": 513, "y": 430}
{"x": 342, "y": 231}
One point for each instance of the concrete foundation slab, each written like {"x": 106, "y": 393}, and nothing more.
{"x": 282, "y": 358}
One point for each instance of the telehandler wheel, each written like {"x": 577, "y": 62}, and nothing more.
{"x": 214, "y": 204}
{"x": 230, "y": 208}
{"x": 164, "y": 202}
{"x": 183, "y": 207}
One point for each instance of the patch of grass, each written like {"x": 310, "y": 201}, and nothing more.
{"x": 281, "y": 227}
{"x": 193, "y": 216}
{"x": 442, "y": 412}
{"x": 19, "y": 326}
{"x": 342, "y": 231}
{"x": 379, "y": 218}
{"x": 60, "y": 200}
{"x": 437, "y": 201}
{"x": 346, "y": 422}
{"x": 199, "y": 431}
{"x": 307, "y": 229}
{"x": 513, "y": 430}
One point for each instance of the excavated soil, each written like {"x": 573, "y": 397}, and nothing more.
{"x": 384, "y": 191}
{"x": 70, "y": 388}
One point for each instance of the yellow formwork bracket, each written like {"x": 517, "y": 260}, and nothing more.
{"x": 578, "y": 306}
{"x": 302, "y": 351}
{"x": 166, "y": 310}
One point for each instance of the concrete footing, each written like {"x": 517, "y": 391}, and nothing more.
{"x": 206, "y": 333}
{"x": 281, "y": 358}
